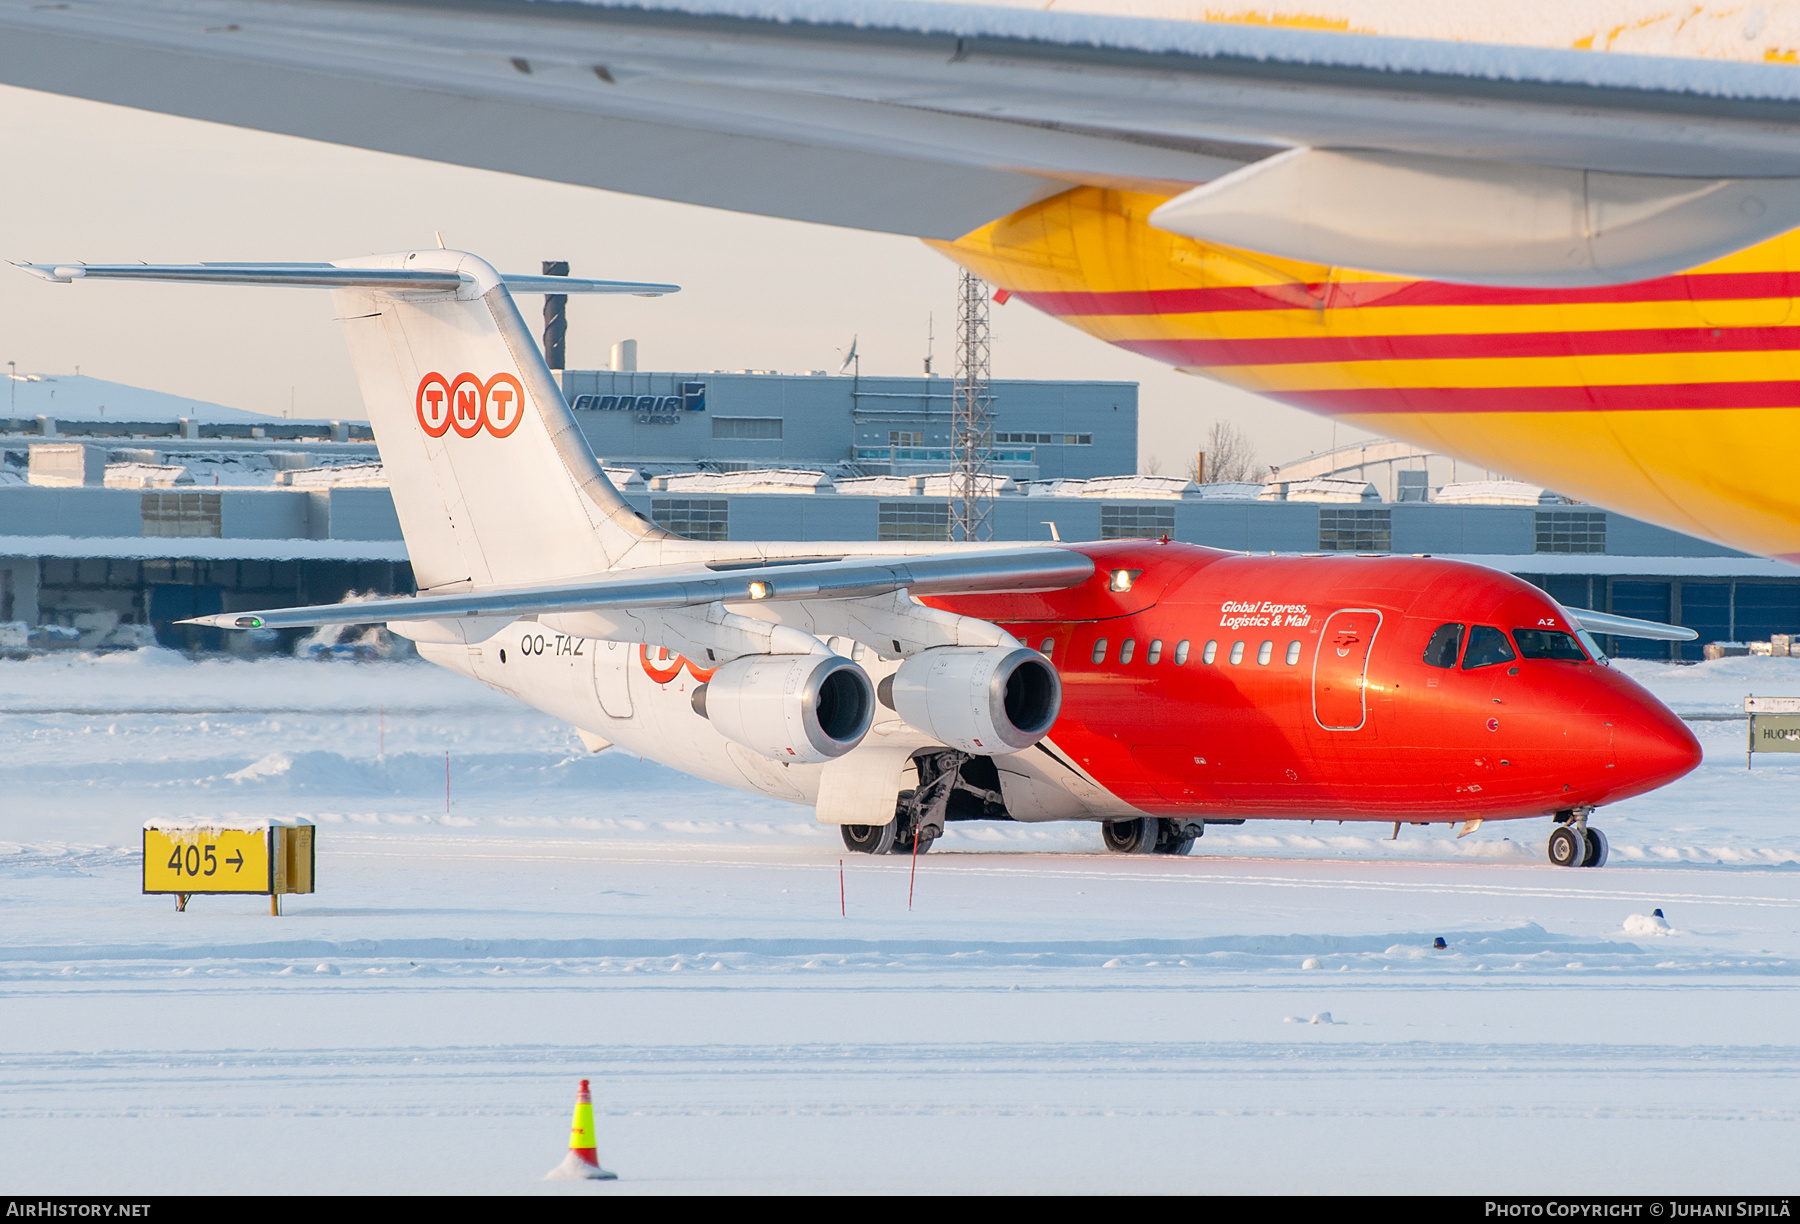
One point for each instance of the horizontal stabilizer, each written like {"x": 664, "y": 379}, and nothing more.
{"x": 1627, "y": 626}
{"x": 330, "y": 276}
{"x": 949, "y": 573}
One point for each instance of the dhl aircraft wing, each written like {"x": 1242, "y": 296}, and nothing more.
{"x": 1396, "y": 154}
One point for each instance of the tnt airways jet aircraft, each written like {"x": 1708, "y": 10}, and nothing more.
{"x": 1156, "y": 687}
{"x": 1554, "y": 239}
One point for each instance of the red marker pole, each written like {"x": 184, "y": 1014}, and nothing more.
{"x": 915, "y": 871}
{"x": 843, "y": 906}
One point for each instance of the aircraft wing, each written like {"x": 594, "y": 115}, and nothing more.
{"x": 932, "y": 119}
{"x": 330, "y": 276}
{"x": 1628, "y": 626}
{"x": 666, "y": 587}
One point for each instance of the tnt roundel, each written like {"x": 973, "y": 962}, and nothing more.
{"x": 665, "y": 667}
{"x": 503, "y": 404}
{"x": 433, "y": 404}
{"x": 467, "y": 396}
{"x": 469, "y": 405}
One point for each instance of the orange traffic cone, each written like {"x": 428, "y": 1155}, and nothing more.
{"x": 582, "y": 1162}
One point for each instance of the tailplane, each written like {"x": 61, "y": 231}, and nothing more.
{"x": 493, "y": 483}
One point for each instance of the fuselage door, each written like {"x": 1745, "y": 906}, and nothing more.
{"x": 613, "y": 662}
{"x": 1340, "y": 669}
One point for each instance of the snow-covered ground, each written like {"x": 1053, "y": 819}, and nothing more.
{"x": 1266, "y": 1015}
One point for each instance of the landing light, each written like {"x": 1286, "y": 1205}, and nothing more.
{"x": 1121, "y": 579}
{"x": 761, "y": 590}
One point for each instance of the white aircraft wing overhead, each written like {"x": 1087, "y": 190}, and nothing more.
{"x": 932, "y": 119}
{"x": 963, "y": 572}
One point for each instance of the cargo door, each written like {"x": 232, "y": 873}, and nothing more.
{"x": 612, "y": 675}
{"x": 1340, "y": 669}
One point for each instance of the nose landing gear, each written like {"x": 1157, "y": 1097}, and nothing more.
{"x": 1574, "y": 844}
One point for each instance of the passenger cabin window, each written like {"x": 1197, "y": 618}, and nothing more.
{"x": 1181, "y": 652}
{"x": 1264, "y": 653}
{"x": 1127, "y": 649}
{"x": 1487, "y": 646}
{"x": 1549, "y": 644}
{"x": 1100, "y": 651}
{"x": 1153, "y": 656}
{"x": 1293, "y": 655}
{"x": 1237, "y": 653}
{"x": 1444, "y": 646}
{"x": 1210, "y": 653}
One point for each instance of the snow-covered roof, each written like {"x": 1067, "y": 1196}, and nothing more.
{"x": 78, "y": 397}
{"x": 337, "y": 476}
{"x": 1494, "y": 493}
{"x": 626, "y": 479}
{"x": 937, "y": 484}
{"x": 146, "y": 475}
{"x": 763, "y": 480}
{"x": 1123, "y": 488}
{"x": 1229, "y": 490}
{"x": 1324, "y": 489}
{"x": 873, "y": 486}
{"x": 144, "y": 548}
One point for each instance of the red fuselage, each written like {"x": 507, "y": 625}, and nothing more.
{"x": 1349, "y": 688}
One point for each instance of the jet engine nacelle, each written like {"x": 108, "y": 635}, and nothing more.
{"x": 981, "y": 700}
{"x": 810, "y": 708}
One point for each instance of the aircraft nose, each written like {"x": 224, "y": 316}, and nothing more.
{"x": 1652, "y": 747}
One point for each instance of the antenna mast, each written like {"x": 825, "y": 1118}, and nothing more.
{"x": 971, "y": 481}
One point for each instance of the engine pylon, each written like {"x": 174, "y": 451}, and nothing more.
{"x": 583, "y": 1161}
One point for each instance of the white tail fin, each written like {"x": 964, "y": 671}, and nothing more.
{"x": 493, "y": 482}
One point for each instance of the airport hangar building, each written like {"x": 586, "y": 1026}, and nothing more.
{"x": 112, "y": 529}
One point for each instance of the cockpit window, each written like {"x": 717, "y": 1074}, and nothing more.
{"x": 1549, "y": 644}
{"x": 1444, "y": 646}
{"x": 1487, "y": 646}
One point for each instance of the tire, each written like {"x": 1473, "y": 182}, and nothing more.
{"x": 1597, "y": 849}
{"x": 869, "y": 839}
{"x": 903, "y": 843}
{"x": 1567, "y": 848}
{"x": 1132, "y": 836}
{"x": 1177, "y": 838}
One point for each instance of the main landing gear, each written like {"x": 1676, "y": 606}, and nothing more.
{"x": 1151, "y": 835}
{"x": 952, "y": 786}
{"x": 1574, "y": 844}
{"x": 895, "y": 837}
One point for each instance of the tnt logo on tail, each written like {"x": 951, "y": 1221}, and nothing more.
{"x": 469, "y": 405}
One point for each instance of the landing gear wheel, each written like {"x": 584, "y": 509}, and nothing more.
{"x": 1175, "y": 845}
{"x": 903, "y": 843}
{"x": 1132, "y": 836}
{"x": 1568, "y": 848}
{"x": 869, "y": 839}
{"x": 1596, "y": 848}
